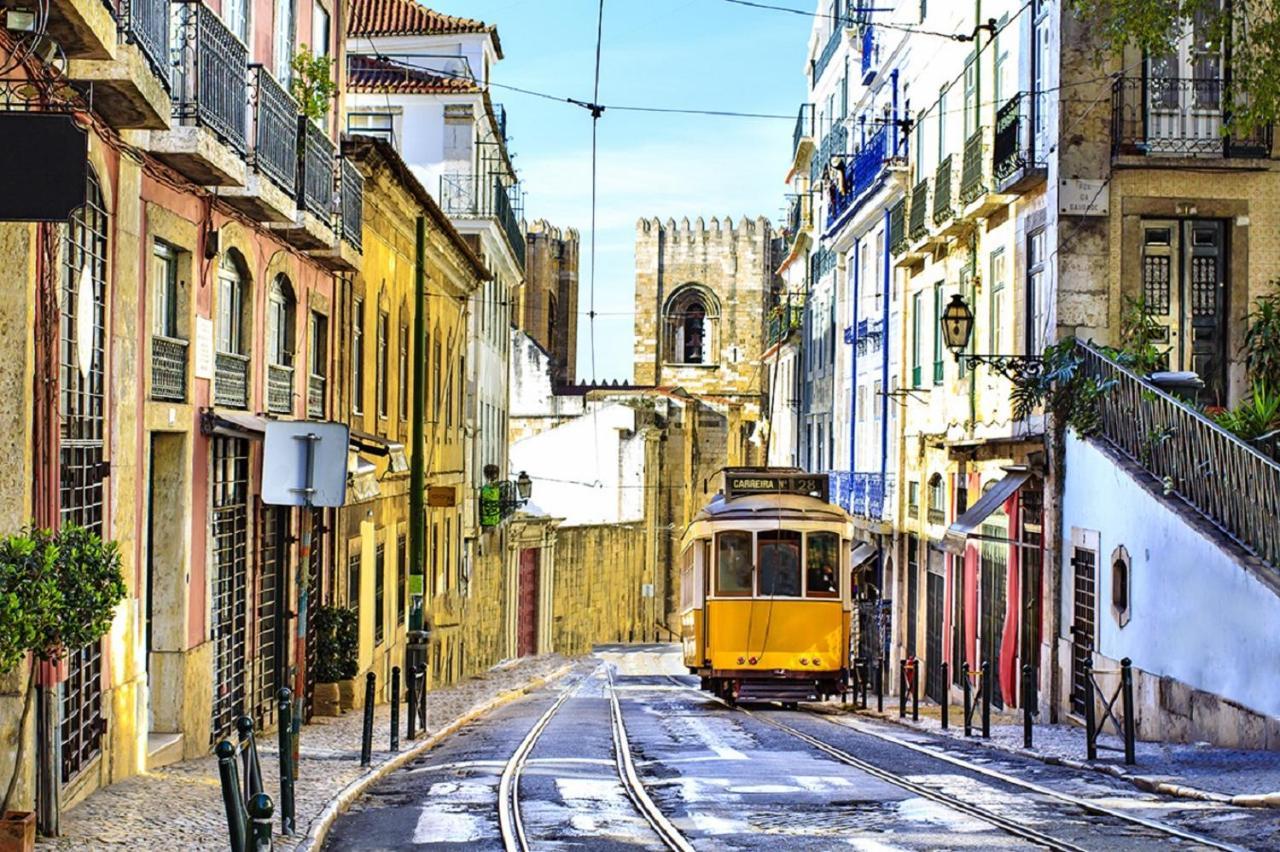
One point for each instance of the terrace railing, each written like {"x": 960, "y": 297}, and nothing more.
{"x": 210, "y": 73}
{"x": 351, "y": 202}
{"x": 804, "y": 127}
{"x": 279, "y": 388}
{"x": 146, "y": 24}
{"x": 315, "y": 396}
{"x": 860, "y": 174}
{"x": 477, "y": 196}
{"x": 168, "y": 368}
{"x": 898, "y": 227}
{"x": 275, "y": 129}
{"x": 1181, "y": 116}
{"x": 1229, "y": 483}
{"x": 1013, "y": 149}
{"x": 231, "y": 380}
{"x": 973, "y": 172}
{"x": 919, "y": 210}
{"x": 943, "y": 208}
{"x": 315, "y": 169}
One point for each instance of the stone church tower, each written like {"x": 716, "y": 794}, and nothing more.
{"x": 701, "y": 296}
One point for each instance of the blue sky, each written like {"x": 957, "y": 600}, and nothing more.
{"x": 699, "y": 54}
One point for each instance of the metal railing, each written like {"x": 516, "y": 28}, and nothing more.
{"x": 828, "y": 52}
{"x": 898, "y": 227}
{"x": 1013, "y": 149}
{"x": 860, "y": 174}
{"x": 942, "y": 207}
{"x": 500, "y": 116}
{"x": 315, "y": 396}
{"x": 919, "y": 210}
{"x": 1181, "y": 116}
{"x": 470, "y": 195}
{"x": 1231, "y": 484}
{"x": 275, "y": 129}
{"x": 785, "y": 318}
{"x": 231, "y": 380}
{"x": 351, "y": 202}
{"x": 210, "y": 73}
{"x": 935, "y": 516}
{"x": 804, "y": 127}
{"x": 835, "y": 142}
{"x": 315, "y": 169}
{"x": 146, "y": 24}
{"x": 973, "y": 171}
{"x": 279, "y": 388}
{"x": 869, "y": 50}
{"x": 168, "y": 368}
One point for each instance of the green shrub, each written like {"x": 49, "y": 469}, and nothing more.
{"x": 337, "y": 643}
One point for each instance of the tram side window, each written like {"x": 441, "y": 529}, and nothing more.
{"x": 733, "y": 563}
{"x": 780, "y": 563}
{"x": 686, "y": 578}
{"x": 822, "y": 561}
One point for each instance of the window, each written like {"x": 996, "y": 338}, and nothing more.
{"x": 379, "y": 592}
{"x": 1000, "y": 75}
{"x": 282, "y": 42}
{"x": 1120, "y": 585}
{"x": 318, "y": 349}
{"x": 822, "y": 565}
{"x": 384, "y": 327}
{"x": 942, "y": 124}
{"x": 235, "y": 16}
{"x": 1036, "y": 331}
{"x": 937, "y": 333}
{"x": 402, "y": 569}
{"x": 998, "y": 304}
{"x": 280, "y": 319}
{"x": 402, "y": 367}
{"x": 357, "y": 356}
{"x": 450, "y": 564}
{"x": 230, "y": 304}
{"x": 733, "y": 563}
{"x": 353, "y": 579}
{"x": 916, "y": 321}
{"x": 877, "y": 394}
{"x": 692, "y": 322}
{"x": 913, "y": 498}
{"x": 1042, "y": 59}
{"x": 920, "y": 143}
{"x": 164, "y": 280}
{"x": 971, "y": 96}
{"x": 319, "y": 30}
{"x": 937, "y": 499}
{"x": 779, "y": 558}
{"x": 378, "y": 124}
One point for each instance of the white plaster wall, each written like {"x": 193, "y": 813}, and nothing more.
{"x": 1196, "y": 615}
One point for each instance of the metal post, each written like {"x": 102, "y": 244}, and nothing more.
{"x": 1126, "y": 696}
{"x": 880, "y": 671}
{"x": 986, "y": 699}
{"x": 1090, "y": 726}
{"x": 968, "y": 702}
{"x": 915, "y": 690}
{"x": 260, "y": 810}
{"x": 946, "y": 696}
{"x": 422, "y": 697}
{"x": 366, "y": 731}
{"x": 411, "y": 680}
{"x": 417, "y": 457}
{"x": 288, "y": 820}
{"x": 902, "y": 689}
{"x": 229, "y": 775}
{"x": 866, "y": 681}
{"x": 249, "y": 755}
{"x": 395, "y": 708}
{"x": 1027, "y": 689}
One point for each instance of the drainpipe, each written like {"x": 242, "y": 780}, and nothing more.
{"x": 884, "y": 387}
{"x": 853, "y": 369}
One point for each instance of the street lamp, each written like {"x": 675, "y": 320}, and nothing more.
{"x": 957, "y": 330}
{"x": 524, "y": 486}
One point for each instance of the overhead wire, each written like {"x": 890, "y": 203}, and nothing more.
{"x": 850, "y": 21}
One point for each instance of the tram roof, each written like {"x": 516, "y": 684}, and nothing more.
{"x": 757, "y": 506}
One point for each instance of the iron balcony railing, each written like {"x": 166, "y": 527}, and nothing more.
{"x": 231, "y": 380}
{"x": 785, "y": 318}
{"x": 351, "y": 202}
{"x": 315, "y": 396}
{"x": 1181, "y": 116}
{"x": 973, "y": 171}
{"x": 146, "y": 24}
{"x": 821, "y": 262}
{"x": 942, "y": 205}
{"x": 275, "y": 129}
{"x": 279, "y": 388}
{"x": 482, "y": 196}
{"x": 828, "y": 51}
{"x": 210, "y": 74}
{"x": 870, "y": 55}
{"x": 935, "y": 516}
{"x": 804, "y": 127}
{"x": 168, "y": 368}
{"x": 500, "y": 115}
{"x": 1228, "y": 482}
{"x": 859, "y": 175}
{"x": 919, "y": 225}
{"x": 1013, "y": 150}
{"x": 898, "y": 227}
{"x": 315, "y": 169}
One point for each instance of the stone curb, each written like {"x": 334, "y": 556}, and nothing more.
{"x": 320, "y": 826}
{"x": 1142, "y": 782}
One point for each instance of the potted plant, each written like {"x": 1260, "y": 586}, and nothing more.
{"x": 57, "y": 591}
{"x": 337, "y": 648}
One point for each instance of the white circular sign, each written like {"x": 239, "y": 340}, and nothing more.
{"x": 85, "y": 310}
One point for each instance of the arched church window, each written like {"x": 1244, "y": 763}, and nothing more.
{"x": 692, "y": 325}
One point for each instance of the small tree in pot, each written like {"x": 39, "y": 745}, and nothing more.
{"x": 337, "y": 650}
{"x": 57, "y": 591}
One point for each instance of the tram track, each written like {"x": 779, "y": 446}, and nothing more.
{"x": 510, "y": 824}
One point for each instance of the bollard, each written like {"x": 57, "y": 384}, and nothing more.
{"x": 880, "y": 686}
{"x": 1126, "y": 696}
{"x": 866, "y": 681}
{"x": 986, "y": 700}
{"x": 411, "y": 682}
{"x": 915, "y": 690}
{"x": 288, "y": 819}
{"x": 1028, "y": 689}
{"x": 229, "y": 776}
{"x": 968, "y": 702}
{"x": 260, "y": 810}
{"x": 366, "y": 731}
{"x": 946, "y": 696}
{"x": 902, "y": 689}
{"x": 249, "y": 754}
{"x": 1090, "y": 726}
{"x": 422, "y": 697}
{"x": 395, "y": 708}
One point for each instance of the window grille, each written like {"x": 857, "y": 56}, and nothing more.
{"x": 230, "y": 555}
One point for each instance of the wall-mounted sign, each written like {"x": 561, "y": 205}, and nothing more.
{"x": 43, "y": 173}
{"x": 646, "y": 590}
{"x": 204, "y": 348}
{"x": 743, "y": 482}
{"x": 1083, "y": 197}
{"x": 304, "y": 463}
{"x": 442, "y": 496}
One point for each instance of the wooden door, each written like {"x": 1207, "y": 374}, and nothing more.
{"x": 527, "y": 614}
{"x": 1084, "y": 563}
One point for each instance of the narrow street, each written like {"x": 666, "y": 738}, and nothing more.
{"x": 544, "y": 772}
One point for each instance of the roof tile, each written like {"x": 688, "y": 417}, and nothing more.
{"x": 408, "y": 17}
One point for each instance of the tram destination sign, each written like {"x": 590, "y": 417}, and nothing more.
{"x": 744, "y": 482}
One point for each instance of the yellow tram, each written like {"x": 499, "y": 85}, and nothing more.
{"x": 765, "y": 588}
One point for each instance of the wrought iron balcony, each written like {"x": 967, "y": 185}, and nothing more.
{"x": 942, "y": 203}
{"x": 804, "y": 128}
{"x": 1013, "y": 154}
{"x": 870, "y": 53}
{"x": 1181, "y": 117}
{"x": 168, "y": 368}
{"x": 859, "y": 175}
{"x": 146, "y": 24}
{"x": 835, "y": 142}
{"x": 500, "y": 116}
{"x": 315, "y": 169}
{"x": 275, "y": 130}
{"x": 935, "y": 516}
{"x": 231, "y": 380}
{"x": 919, "y": 211}
{"x": 785, "y": 318}
{"x": 898, "y": 227}
{"x": 279, "y": 388}
{"x": 799, "y": 219}
{"x": 828, "y": 51}
{"x": 974, "y": 182}
{"x": 210, "y": 74}
{"x": 315, "y": 396}
{"x": 821, "y": 262}
{"x": 351, "y": 202}
{"x": 482, "y": 196}
{"x": 913, "y": 510}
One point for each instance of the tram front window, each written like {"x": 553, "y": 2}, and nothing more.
{"x": 733, "y": 563}
{"x": 822, "y": 558}
{"x": 780, "y": 563}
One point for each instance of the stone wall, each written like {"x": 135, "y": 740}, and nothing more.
{"x": 599, "y": 587}
{"x": 549, "y": 304}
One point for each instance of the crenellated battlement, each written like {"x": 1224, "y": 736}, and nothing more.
{"x": 717, "y": 229}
